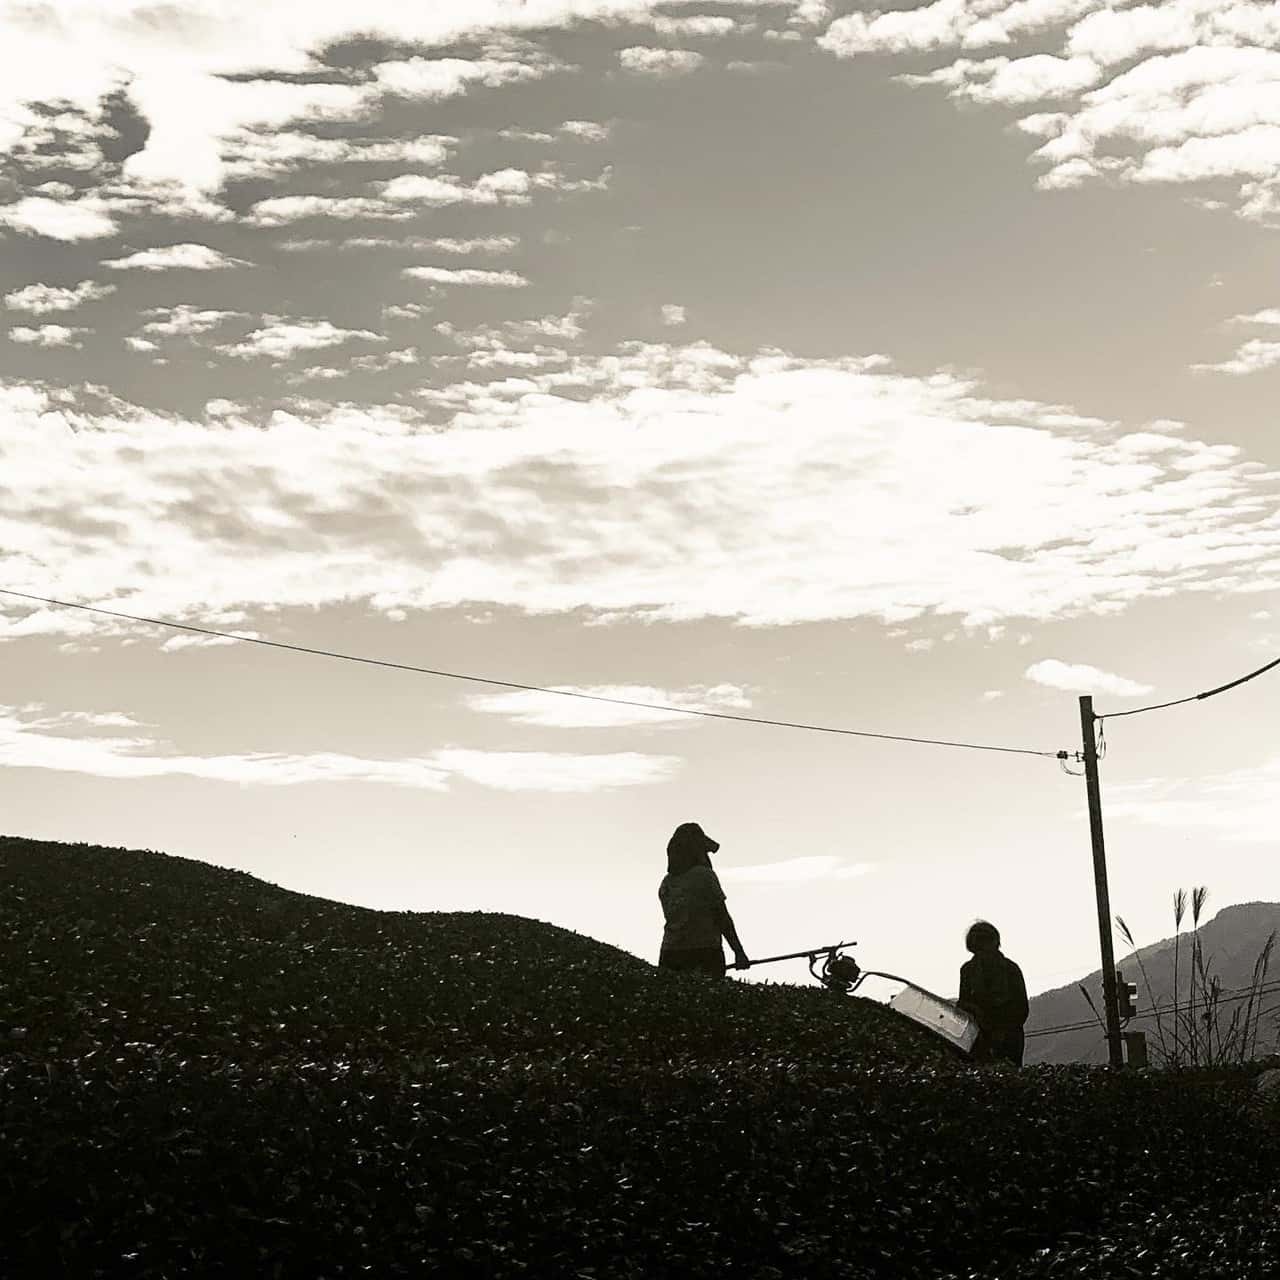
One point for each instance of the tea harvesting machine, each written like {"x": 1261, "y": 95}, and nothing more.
{"x": 841, "y": 973}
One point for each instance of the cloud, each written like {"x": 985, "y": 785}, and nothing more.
{"x": 398, "y": 199}
{"x": 405, "y": 311}
{"x": 433, "y": 79}
{"x": 526, "y": 135}
{"x": 698, "y": 24}
{"x": 567, "y": 327}
{"x": 185, "y": 320}
{"x": 251, "y": 155}
{"x": 282, "y": 339}
{"x": 802, "y": 870}
{"x": 204, "y": 72}
{"x": 153, "y": 198}
{"x": 28, "y": 741}
{"x": 72, "y": 720}
{"x": 947, "y": 23}
{"x": 917, "y": 30}
{"x": 42, "y": 299}
{"x": 672, "y": 314}
{"x": 541, "y": 357}
{"x": 556, "y": 771}
{"x": 60, "y": 137}
{"x": 586, "y": 130}
{"x": 650, "y": 481}
{"x": 385, "y": 360}
{"x": 505, "y": 186}
{"x": 467, "y": 276}
{"x": 66, "y": 220}
{"x": 279, "y": 211}
{"x": 184, "y": 640}
{"x": 1014, "y": 82}
{"x": 24, "y": 745}
{"x": 563, "y": 328}
{"x": 48, "y": 335}
{"x": 659, "y": 62}
{"x": 1242, "y": 805}
{"x": 1114, "y": 37}
{"x": 175, "y": 257}
{"x": 233, "y": 91}
{"x": 377, "y": 363}
{"x": 475, "y": 244}
{"x": 741, "y": 66}
{"x": 189, "y": 132}
{"x": 552, "y": 711}
{"x": 1078, "y": 677}
{"x": 1185, "y": 92}
{"x": 816, "y": 13}
{"x": 1253, "y": 356}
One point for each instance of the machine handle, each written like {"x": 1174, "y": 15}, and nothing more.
{"x": 802, "y": 955}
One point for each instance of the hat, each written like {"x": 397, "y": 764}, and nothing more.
{"x": 691, "y": 835}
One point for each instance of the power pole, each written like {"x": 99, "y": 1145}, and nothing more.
{"x": 1115, "y": 1047}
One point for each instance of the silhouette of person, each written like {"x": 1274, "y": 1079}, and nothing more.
{"x": 693, "y": 907}
{"x": 993, "y": 990}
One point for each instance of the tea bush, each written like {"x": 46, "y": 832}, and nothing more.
{"x": 203, "y": 1075}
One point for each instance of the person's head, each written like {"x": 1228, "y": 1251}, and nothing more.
{"x": 688, "y": 847}
{"x": 982, "y": 936}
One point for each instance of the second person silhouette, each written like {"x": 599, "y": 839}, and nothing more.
{"x": 693, "y": 906}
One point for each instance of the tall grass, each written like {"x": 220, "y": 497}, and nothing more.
{"x": 1196, "y": 1029}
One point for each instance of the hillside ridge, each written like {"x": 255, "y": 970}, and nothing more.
{"x": 180, "y": 952}
{"x": 1231, "y": 940}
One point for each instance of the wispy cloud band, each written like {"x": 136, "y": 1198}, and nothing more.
{"x": 675, "y": 482}
{"x": 30, "y": 739}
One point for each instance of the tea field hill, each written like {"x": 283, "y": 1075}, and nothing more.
{"x": 119, "y": 947}
{"x": 205, "y": 1075}
{"x": 1231, "y": 941}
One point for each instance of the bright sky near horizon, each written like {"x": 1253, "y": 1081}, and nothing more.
{"x": 909, "y": 370}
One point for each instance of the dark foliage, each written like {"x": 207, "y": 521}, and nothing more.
{"x": 203, "y": 1075}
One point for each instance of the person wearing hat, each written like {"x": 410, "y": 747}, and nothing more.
{"x": 693, "y": 907}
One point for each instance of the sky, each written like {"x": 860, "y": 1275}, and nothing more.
{"x": 910, "y": 371}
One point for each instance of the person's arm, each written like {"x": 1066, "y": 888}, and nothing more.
{"x": 970, "y": 999}
{"x": 1020, "y": 1006}
{"x": 731, "y": 937}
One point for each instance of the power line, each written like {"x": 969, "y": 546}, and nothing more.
{"x": 1195, "y": 697}
{"x": 1091, "y": 1023}
{"x": 1232, "y": 997}
{"x": 531, "y": 688}
{"x": 1240, "y": 993}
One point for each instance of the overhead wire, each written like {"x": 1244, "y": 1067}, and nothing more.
{"x": 1233, "y": 996}
{"x": 1061, "y": 756}
{"x": 530, "y": 688}
{"x": 1195, "y": 697}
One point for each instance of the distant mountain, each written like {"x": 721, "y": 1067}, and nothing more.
{"x": 1231, "y": 941}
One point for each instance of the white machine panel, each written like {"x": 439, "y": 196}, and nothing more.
{"x": 939, "y": 1015}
